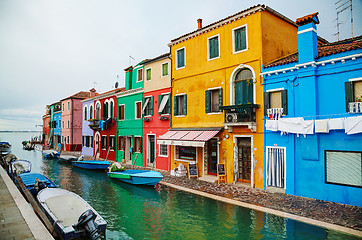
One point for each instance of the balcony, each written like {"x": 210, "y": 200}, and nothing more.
{"x": 240, "y": 115}
{"x": 94, "y": 124}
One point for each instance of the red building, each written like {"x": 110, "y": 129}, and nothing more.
{"x": 156, "y": 110}
{"x": 105, "y": 125}
{"x": 46, "y": 126}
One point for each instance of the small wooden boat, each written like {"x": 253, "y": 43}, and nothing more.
{"x": 94, "y": 165}
{"x": 50, "y": 154}
{"x": 71, "y": 215}
{"x": 18, "y": 167}
{"x": 36, "y": 182}
{"x": 138, "y": 177}
{"x": 5, "y": 148}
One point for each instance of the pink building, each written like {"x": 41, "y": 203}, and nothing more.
{"x": 71, "y": 126}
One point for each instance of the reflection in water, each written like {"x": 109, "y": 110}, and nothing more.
{"x": 134, "y": 212}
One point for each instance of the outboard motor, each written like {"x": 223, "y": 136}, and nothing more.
{"x": 86, "y": 221}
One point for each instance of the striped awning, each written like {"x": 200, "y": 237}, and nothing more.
{"x": 193, "y": 138}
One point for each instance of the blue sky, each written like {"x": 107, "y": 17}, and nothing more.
{"x": 51, "y": 49}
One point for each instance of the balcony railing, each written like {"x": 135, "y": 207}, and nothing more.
{"x": 355, "y": 107}
{"x": 94, "y": 124}
{"x": 239, "y": 115}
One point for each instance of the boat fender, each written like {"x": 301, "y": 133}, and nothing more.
{"x": 86, "y": 221}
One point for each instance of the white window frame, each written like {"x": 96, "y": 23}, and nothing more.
{"x": 135, "y": 112}
{"x": 114, "y": 142}
{"x": 109, "y": 107}
{"x": 85, "y": 113}
{"x": 285, "y": 165}
{"x": 168, "y": 69}
{"x": 214, "y": 113}
{"x": 177, "y": 68}
{"x": 145, "y": 106}
{"x": 91, "y": 105}
{"x": 124, "y": 112}
{"x": 159, "y": 150}
{"x": 208, "y": 47}
{"x": 134, "y": 143}
{"x": 106, "y": 137}
{"x": 140, "y": 69}
{"x": 169, "y": 99}
{"x": 146, "y": 74}
{"x": 246, "y": 36}
{"x": 184, "y": 160}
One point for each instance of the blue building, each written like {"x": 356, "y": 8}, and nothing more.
{"x": 313, "y": 119}
{"x": 57, "y": 128}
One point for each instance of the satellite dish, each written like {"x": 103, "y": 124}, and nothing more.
{"x": 116, "y": 85}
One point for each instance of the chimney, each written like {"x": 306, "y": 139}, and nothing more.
{"x": 92, "y": 92}
{"x": 128, "y": 80}
{"x": 199, "y": 23}
{"x": 307, "y": 37}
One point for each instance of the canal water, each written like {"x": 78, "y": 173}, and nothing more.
{"x": 143, "y": 213}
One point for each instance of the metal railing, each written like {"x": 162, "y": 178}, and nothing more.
{"x": 240, "y": 113}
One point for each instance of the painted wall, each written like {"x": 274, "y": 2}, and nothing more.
{"x": 86, "y": 130}
{"x": 157, "y": 81}
{"x": 57, "y": 129}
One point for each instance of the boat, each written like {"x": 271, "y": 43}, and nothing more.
{"x": 18, "y": 167}
{"x": 67, "y": 158}
{"x": 71, "y": 215}
{"x": 8, "y": 159}
{"x": 5, "y": 148}
{"x": 50, "y": 154}
{"x": 137, "y": 177}
{"x": 28, "y": 146}
{"x": 90, "y": 164}
{"x": 36, "y": 182}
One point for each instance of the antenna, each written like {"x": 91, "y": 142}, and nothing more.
{"x": 94, "y": 84}
{"x": 130, "y": 57}
{"x": 341, "y": 4}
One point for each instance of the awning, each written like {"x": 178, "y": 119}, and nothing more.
{"x": 192, "y": 138}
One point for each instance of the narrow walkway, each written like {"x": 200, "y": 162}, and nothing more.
{"x": 17, "y": 219}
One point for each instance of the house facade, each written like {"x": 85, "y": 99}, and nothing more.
{"x": 46, "y": 126}
{"x": 217, "y": 93}
{"x": 129, "y": 117}
{"x": 57, "y": 118}
{"x": 87, "y": 131}
{"x": 156, "y": 110}
{"x": 314, "y": 119}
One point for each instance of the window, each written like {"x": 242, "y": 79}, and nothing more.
{"x": 148, "y": 106}
{"x": 148, "y": 74}
{"x": 180, "y": 105}
{"x": 98, "y": 111}
{"x": 121, "y": 143}
{"x": 180, "y": 58}
{"x": 60, "y": 125}
{"x": 68, "y": 123}
{"x": 343, "y": 168}
{"x": 91, "y": 112}
{"x": 91, "y": 141}
{"x": 68, "y": 105}
{"x": 275, "y": 102}
{"x": 163, "y": 150}
{"x": 213, "y": 100}
{"x": 139, "y": 75}
{"x": 104, "y": 142}
{"x": 186, "y": 153}
{"x": 63, "y": 107}
{"x": 138, "y": 110}
{"x": 137, "y": 144}
{"x": 87, "y": 139}
{"x": 68, "y": 139}
{"x": 112, "y": 142}
{"x": 83, "y": 141}
{"x": 110, "y": 112}
{"x": 213, "y": 47}
{"x": 105, "y": 111}
{"x": 164, "y": 104}
{"x": 121, "y": 112}
{"x": 85, "y": 114}
{"x": 164, "y": 69}
{"x": 353, "y": 91}
{"x": 244, "y": 87}
{"x": 63, "y": 124}
{"x": 240, "y": 42}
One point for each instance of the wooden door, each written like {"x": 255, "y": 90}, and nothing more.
{"x": 212, "y": 157}
{"x": 244, "y": 160}
{"x": 151, "y": 151}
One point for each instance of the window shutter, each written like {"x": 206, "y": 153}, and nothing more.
{"x": 151, "y": 105}
{"x": 266, "y": 102}
{"x": 220, "y": 99}
{"x": 185, "y": 104}
{"x": 104, "y": 111}
{"x": 168, "y": 104}
{"x": 141, "y": 143}
{"x": 159, "y": 103}
{"x": 348, "y": 88}
{"x": 175, "y": 105}
{"x": 207, "y": 101}
{"x": 285, "y": 102}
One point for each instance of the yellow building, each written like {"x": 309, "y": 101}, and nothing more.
{"x": 217, "y": 93}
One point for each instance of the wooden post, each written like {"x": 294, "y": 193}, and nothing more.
{"x": 108, "y": 153}
{"x": 134, "y": 160}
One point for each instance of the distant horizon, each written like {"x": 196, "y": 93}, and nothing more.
{"x": 20, "y": 131}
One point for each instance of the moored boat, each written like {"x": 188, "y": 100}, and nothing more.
{"x": 5, "y": 148}
{"x": 94, "y": 165}
{"x": 50, "y": 154}
{"x": 71, "y": 215}
{"x": 137, "y": 177}
{"x": 18, "y": 167}
{"x": 36, "y": 182}
{"x": 67, "y": 158}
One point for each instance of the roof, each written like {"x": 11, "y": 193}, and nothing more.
{"x": 229, "y": 19}
{"x": 106, "y": 94}
{"x": 163, "y": 56}
{"x": 307, "y": 19}
{"x": 78, "y": 95}
{"x": 324, "y": 50}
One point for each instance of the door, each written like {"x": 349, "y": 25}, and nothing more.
{"x": 275, "y": 167}
{"x": 244, "y": 160}
{"x": 97, "y": 145}
{"x": 212, "y": 157}
{"x": 128, "y": 155}
{"x": 151, "y": 151}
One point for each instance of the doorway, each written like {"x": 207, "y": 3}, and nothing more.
{"x": 151, "y": 151}
{"x": 244, "y": 159}
{"x": 128, "y": 155}
{"x": 97, "y": 144}
{"x": 212, "y": 157}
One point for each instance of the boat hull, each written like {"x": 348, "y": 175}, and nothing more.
{"x": 30, "y": 178}
{"x": 93, "y": 165}
{"x": 137, "y": 177}
{"x": 50, "y": 154}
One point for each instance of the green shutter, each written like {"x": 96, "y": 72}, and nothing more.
{"x": 168, "y": 104}
{"x": 185, "y": 105}
{"x": 240, "y": 39}
{"x": 213, "y": 47}
{"x": 348, "y": 88}
{"x": 175, "y": 105}
{"x": 159, "y": 103}
{"x": 180, "y": 58}
{"x": 151, "y": 105}
{"x": 250, "y": 91}
{"x": 207, "y": 101}
{"x": 220, "y": 99}
{"x": 266, "y": 102}
{"x": 285, "y": 102}
{"x": 165, "y": 69}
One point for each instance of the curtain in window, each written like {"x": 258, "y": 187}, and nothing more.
{"x": 240, "y": 39}
{"x": 275, "y": 167}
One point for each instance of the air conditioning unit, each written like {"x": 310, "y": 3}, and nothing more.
{"x": 231, "y": 117}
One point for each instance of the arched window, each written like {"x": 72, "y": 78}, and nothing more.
{"x": 111, "y": 109}
{"x": 85, "y": 114}
{"x": 244, "y": 87}
{"x": 98, "y": 111}
{"x": 105, "y": 111}
{"x": 91, "y": 112}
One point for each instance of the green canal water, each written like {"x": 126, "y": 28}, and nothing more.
{"x": 143, "y": 213}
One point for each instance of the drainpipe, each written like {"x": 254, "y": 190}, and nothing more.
{"x": 171, "y": 104}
